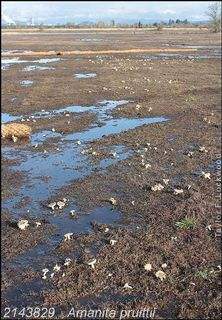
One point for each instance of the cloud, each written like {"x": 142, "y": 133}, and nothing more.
{"x": 199, "y": 17}
{"x": 82, "y": 10}
{"x": 6, "y": 19}
{"x": 167, "y": 11}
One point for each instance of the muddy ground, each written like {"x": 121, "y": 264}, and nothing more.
{"x": 142, "y": 121}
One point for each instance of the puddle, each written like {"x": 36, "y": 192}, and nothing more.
{"x": 6, "y": 63}
{"x": 18, "y": 60}
{"x": 91, "y": 39}
{"x": 48, "y": 60}
{"x": 44, "y": 255}
{"x": 212, "y": 51}
{"x": 15, "y": 51}
{"x": 101, "y": 111}
{"x": 172, "y": 138}
{"x": 26, "y": 83}
{"x": 113, "y": 126}
{"x": 5, "y": 67}
{"x": 6, "y": 117}
{"x": 69, "y": 163}
{"x": 84, "y": 75}
{"x": 24, "y": 295}
{"x": 62, "y": 167}
{"x": 117, "y": 153}
{"x": 40, "y": 68}
{"x": 177, "y": 56}
{"x": 211, "y": 168}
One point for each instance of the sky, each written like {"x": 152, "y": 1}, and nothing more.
{"x": 77, "y": 11}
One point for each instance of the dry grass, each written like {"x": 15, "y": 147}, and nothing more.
{"x": 52, "y": 53}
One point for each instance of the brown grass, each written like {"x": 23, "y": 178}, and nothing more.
{"x": 52, "y": 53}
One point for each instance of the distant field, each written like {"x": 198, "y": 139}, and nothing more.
{"x": 117, "y": 180}
{"x": 98, "y": 29}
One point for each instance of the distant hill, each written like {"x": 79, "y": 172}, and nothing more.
{"x": 7, "y": 21}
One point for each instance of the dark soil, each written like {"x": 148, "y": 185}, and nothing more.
{"x": 178, "y": 234}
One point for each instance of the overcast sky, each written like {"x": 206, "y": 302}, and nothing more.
{"x": 69, "y": 11}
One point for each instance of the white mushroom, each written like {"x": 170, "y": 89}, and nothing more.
{"x": 127, "y": 286}
{"x": 52, "y": 205}
{"x": 177, "y": 191}
{"x": 114, "y": 154}
{"x": 203, "y": 149}
{"x": 53, "y": 129}
{"x": 78, "y": 142}
{"x": 57, "y": 268}
{"x": 106, "y": 230}
{"x": 148, "y": 267}
{"x": 14, "y": 138}
{"x": 92, "y": 263}
{"x": 157, "y": 187}
{"x": 190, "y": 154}
{"x": 164, "y": 265}
{"x": 67, "y": 262}
{"x": 67, "y": 236}
{"x": 38, "y": 224}
{"x": 45, "y": 270}
{"x": 161, "y": 275}
{"x": 112, "y": 242}
{"x": 23, "y": 224}
{"x": 205, "y": 175}
{"x": 60, "y": 204}
{"x": 44, "y": 273}
{"x": 166, "y": 181}
{"x": 113, "y": 201}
